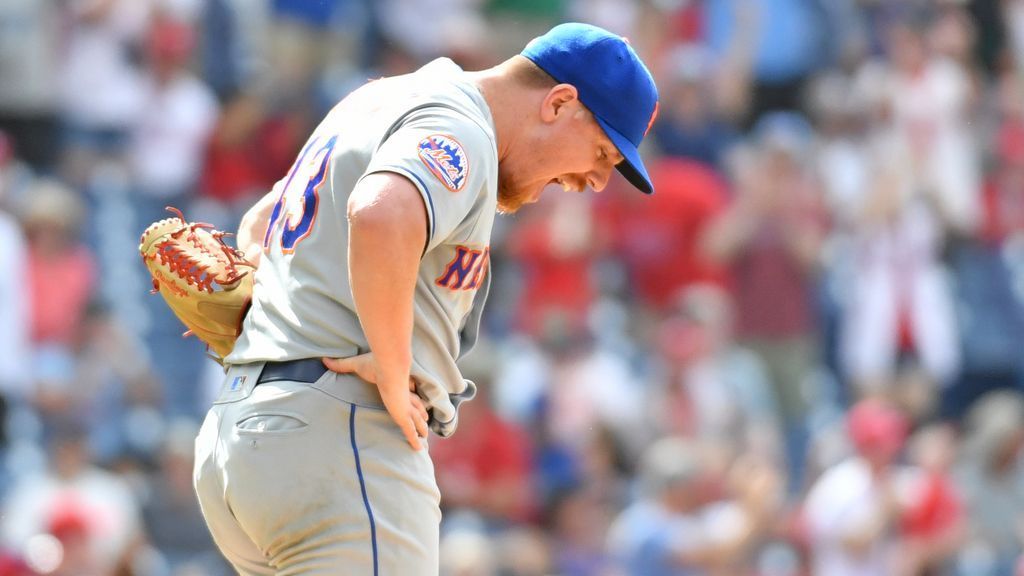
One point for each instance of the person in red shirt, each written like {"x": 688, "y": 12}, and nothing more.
{"x": 1003, "y": 194}
{"x": 771, "y": 236}
{"x": 61, "y": 270}
{"x": 934, "y": 522}
{"x": 658, "y": 237}
{"x": 554, "y": 248}
{"x": 61, "y": 276}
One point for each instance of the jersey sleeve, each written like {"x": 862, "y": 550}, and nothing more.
{"x": 447, "y": 157}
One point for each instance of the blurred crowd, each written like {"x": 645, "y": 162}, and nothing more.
{"x": 799, "y": 357}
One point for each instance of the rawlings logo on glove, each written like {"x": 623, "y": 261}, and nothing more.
{"x": 207, "y": 283}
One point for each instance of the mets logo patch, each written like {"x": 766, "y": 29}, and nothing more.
{"x": 446, "y": 160}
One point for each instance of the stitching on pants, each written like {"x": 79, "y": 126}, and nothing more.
{"x": 362, "y": 485}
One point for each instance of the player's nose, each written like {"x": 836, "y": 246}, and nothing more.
{"x": 598, "y": 178}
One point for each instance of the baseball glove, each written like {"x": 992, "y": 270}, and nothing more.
{"x": 207, "y": 283}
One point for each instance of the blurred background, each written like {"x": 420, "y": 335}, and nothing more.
{"x": 800, "y": 357}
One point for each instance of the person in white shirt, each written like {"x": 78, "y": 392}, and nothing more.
{"x": 850, "y": 512}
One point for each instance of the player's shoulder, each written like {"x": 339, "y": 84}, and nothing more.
{"x": 444, "y": 89}
{"x": 444, "y": 133}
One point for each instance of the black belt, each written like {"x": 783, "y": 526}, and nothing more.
{"x": 307, "y": 370}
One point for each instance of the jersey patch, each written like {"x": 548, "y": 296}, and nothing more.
{"x": 446, "y": 160}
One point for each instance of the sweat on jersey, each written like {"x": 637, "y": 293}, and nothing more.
{"x": 434, "y": 128}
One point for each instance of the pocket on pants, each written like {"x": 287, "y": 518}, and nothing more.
{"x": 270, "y": 424}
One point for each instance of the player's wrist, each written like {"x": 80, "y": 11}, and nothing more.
{"x": 394, "y": 384}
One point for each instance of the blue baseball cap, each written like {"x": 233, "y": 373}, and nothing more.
{"x": 612, "y": 83}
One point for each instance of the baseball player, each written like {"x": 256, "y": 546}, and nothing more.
{"x": 372, "y": 277}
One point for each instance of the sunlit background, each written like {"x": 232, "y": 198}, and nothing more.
{"x": 801, "y": 356}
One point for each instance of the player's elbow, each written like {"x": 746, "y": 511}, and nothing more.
{"x": 372, "y": 214}
{"x": 361, "y": 205}
{"x": 370, "y": 219}
{"x": 383, "y": 204}
{"x": 391, "y": 229}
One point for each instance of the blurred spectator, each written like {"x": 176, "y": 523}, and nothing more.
{"x": 249, "y": 149}
{"x": 840, "y": 112}
{"x": 899, "y": 330}
{"x": 15, "y": 315}
{"x": 932, "y": 527}
{"x": 853, "y": 509}
{"x": 930, "y": 98}
{"x": 91, "y": 512}
{"x": 427, "y": 29}
{"x": 101, "y": 95}
{"x": 990, "y": 476}
{"x": 725, "y": 393}
{"x": 310, "y": 40}
{"x": 555, "y": 250}
{"x": 740, "y": 523}
{"x": 466, "y": 552}
{"x": 672, "y": 531}
{"x": 988, "y": 269}
{"x": 15, "y": 175}
{"x": 523, "y": 552}
{"x": 222, "y": 54}
{"x": 178, "y": 116}
{"x": 61, "y": 277}
{"x": 69, "y": 524}
{"x": 116, "y": 391}
{"x": 592, "y": 388}
{"x": 784, "y": 41}
{"x": 171, "y": 513}
{"x": 953, "y": 36}
{"x": 618, "y": 16}
{"x": 521, "y": 379}
{"x": 487, "y": 470}
{"x": 605, "y": 467}
{"x": 513, "y": 23}
{"x": 693, "y": 122}
{"x": 61, "y": 270}
{"x": 771, "y": 237}
{"x": 1004, "y": 188}
{"x": 578, "y": 521}
{"x": 30, "y": 45}
{"x": 588, "y": 409}
{"x": 657, "y": 237}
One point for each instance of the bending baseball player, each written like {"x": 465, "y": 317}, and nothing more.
{"x": 372, "y": 273}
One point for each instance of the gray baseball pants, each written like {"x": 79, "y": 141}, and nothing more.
{"x": 314, "y": 478}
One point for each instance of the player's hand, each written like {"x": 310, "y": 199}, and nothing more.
{"x": 406, "y": 409}
{"x": 403, "y": 404}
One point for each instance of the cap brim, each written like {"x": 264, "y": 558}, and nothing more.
{"x": 632, "y": 167}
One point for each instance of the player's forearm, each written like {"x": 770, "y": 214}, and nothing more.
{"x": 382, "y": 289}
{"x": 386, "y": 237}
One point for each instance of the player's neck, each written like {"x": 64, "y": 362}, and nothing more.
{"x": 505, "y": 100}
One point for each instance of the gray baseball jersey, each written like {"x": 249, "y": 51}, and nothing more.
{"x": 433, "y": 127}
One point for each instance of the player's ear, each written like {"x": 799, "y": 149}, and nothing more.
{"x": 556, "y": 100}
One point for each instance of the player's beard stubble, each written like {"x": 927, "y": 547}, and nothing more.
{"x": 511, "y": 199}
{"x": 512, "y": 195}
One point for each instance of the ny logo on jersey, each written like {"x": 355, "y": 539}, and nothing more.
{"x": 466, "y": 270}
